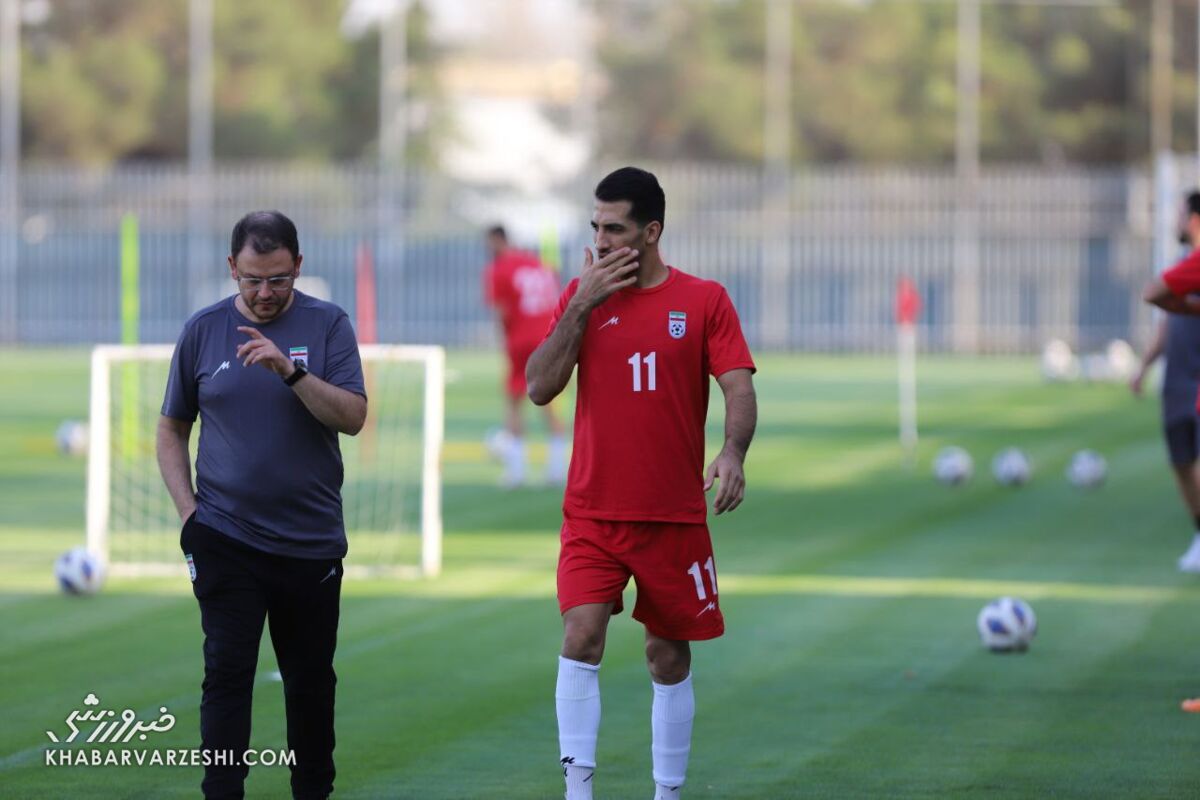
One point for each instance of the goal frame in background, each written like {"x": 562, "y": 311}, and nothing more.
{"x": 99, "y": 469}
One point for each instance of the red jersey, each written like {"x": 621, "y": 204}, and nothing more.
{"x": 523, "y": 291}
{"x": 1184, "y": 277}
{"x": 642, "y": 400}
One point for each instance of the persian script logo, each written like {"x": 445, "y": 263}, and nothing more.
{"x": 110, "y": 727}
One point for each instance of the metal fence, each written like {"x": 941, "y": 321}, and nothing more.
{"x": 1061, "y": 253}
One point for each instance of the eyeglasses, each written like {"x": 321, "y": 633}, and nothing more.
{"x": 277, "y": 283}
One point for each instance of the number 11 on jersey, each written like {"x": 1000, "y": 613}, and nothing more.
{"x": 636, "y": 362}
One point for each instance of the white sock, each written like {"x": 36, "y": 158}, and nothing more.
{"x": 671, "y": 734}
{"x": 577, "y": 700}
{"x": 514, "y": 461}
{"x": 579, "y": 782}
{"x": 556, "y": 459}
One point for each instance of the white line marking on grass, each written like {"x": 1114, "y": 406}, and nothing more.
{"x": 866, "y": 586}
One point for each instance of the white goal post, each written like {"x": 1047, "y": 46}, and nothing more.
{"x": 392, "y": 492}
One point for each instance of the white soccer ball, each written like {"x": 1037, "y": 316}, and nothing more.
{"x": 1122, "y": 359}
{"x": 1058, "y": 362}
{"x": 79, "y": 571}
{"x": 953, "y": 466}
{"x": 1087, "y": 469}
{"x": 1006, "y": 624}
{"x": 1011, "y": 467}
{"x": 497, "y": 442}
{"x": 72, "y": 438}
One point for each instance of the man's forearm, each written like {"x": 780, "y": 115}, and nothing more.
{"x": 335, "y": 407}
{"x": 741, "y": 418}
{"x": 550, "y": 366}
{"x": 1157, "y": 345}
{"x": 176, "y": 468}
{"x": 1158, "y": 293}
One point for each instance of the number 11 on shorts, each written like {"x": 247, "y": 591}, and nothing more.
{"x": 698, "y": 577}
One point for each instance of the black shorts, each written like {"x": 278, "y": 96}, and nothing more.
{"x": 1183, "y": 439}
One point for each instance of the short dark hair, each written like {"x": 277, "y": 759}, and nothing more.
{"x": 266, "y": 232}
{"x": 499, "y": 232}
{"x": 1192, "y": 202}
{"x": 647, "y": 203}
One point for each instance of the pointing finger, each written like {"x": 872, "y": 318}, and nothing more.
{"x": 253, "y": 333}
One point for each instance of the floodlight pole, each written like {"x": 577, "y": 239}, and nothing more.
{"x": 966, "y": 162}
{"x": 775, "y": 297}
{"x": 10, "y": 163}
{"x": 201, "y": 271}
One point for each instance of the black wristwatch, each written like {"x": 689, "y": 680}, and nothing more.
{"x": 300, "y": 372}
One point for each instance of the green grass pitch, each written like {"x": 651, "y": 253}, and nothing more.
{"x": 851, "y": 667}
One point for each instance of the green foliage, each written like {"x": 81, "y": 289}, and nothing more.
{"x": 876, "y": 82}
{"x": 107, "y": 80}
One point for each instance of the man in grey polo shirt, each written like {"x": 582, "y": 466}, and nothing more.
{"x": 274, "y": 376}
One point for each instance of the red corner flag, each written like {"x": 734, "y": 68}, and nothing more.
{"x": 908, "y": 308}
{"x": 908, "y": 302}
{"x": 364, "y": 296}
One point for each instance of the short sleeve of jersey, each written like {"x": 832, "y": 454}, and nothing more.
{"x": 561, "y": 308}
{"x": 1184, "y": 277}
{"x": 727, "y": 348}
{"x": 343, "y": 365}
{"x": 182, "y": 399}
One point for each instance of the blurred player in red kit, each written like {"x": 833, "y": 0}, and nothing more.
{"x": 522, "y": 291}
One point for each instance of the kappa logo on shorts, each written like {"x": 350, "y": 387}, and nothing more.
{"x": 191, "y": 567}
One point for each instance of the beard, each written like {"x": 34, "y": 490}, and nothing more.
{"x": 267, "y": 309}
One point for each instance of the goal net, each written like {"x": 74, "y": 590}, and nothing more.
{"x": 392, "y": 487}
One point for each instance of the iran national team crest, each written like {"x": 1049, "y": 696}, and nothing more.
{"x": 676, "y": 324}
{"x": 298, "y": 354}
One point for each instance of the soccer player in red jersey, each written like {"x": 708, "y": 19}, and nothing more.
{"x": 646, "y": 337}
{"x": 1178, "y": 338}
{"x": 523, "y": 292}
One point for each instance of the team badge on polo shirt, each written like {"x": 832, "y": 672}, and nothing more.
{"x": 298, "y": 354}
{"x": 676, "y": 324}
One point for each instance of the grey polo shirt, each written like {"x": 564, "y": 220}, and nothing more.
{"x": 268, "y": 473}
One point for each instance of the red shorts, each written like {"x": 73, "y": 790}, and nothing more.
{"x": 671, "y": 562}
{"x": 518, "y": 355}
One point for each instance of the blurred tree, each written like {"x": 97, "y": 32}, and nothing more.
{"x": 875, "y": 81}
{"x": 107, "y": 80}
